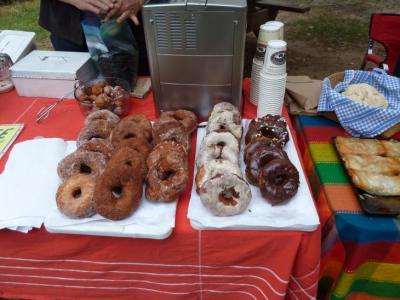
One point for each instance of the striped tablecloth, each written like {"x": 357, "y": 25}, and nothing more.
{"x": 360, "y": 253}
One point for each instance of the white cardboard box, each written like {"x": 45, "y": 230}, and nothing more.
{"x": 17, "y": 44}
{"x": 51, "y": 74}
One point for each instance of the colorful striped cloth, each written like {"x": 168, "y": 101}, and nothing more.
{"x": 360, "y": 253}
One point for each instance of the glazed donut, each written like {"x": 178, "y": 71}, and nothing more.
{"x": 216, "y": 152}
{"x": 129, "y": 157}
{"x": 74, "y": 196}
{"x": 224, "y": 106}
{"x": 213, "y": 168}
{"x": 97, "y": 145}
{"x": 163, "y": 148}
{"x": 140, "y": 145}
{"x": 167, "y": 178}
{"x": 102, "y": 114}
{"x": 278, "y": 181}
{"x": 225, "y": 195}
{"x": 118, "y": 192}
{"x": 170, "y": 130}
{"x": 187, "y": 118}
{"x": 269, "y": 126}
{"x": 226, "y": 121}
{"x": 81, "y": 162}
{"x": 261, "y": 157}
{"x": 220, "y": 139}
{"x": 256, "y": 142}
{"x": 141, "y": 121}
{"x": 126, "y": 130}
{"x": 97, "y": 129}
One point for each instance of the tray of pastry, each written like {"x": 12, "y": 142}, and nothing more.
{"x": 374, "y": 169}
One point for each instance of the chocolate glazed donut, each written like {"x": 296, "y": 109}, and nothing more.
{"x": 269, "y": 126}
{"x": 278, "y": 181}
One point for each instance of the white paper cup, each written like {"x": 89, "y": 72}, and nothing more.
{"x": 280, "y": 25}
{"x": 271, "y": 94}
{"x": 255, "y": 80}
{"x": 275, "y": 57}
{"x": 268, "y": 31}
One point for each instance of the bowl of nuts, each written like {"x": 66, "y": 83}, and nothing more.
{"x": 105, "y": 93}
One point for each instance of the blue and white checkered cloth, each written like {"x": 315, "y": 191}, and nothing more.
{"x": 358, "y": 119}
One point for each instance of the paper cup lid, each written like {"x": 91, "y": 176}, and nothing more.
{"x": 269, "y": 27}
{"x": 277, "y": 44}
{"x": 278, "y": 24}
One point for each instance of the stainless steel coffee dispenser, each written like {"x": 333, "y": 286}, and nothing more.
{"x": 196, "y": 52}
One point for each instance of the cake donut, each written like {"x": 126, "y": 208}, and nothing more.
{"x": 167, "y": 178}
{"x": 225, "y": 195}
{"x": 224, "y": 106}
{"x": 126, "y": 130}
{"x": 74, "y": 196}
{"x": 261, "y": 157}
{"x": 278, "y": 181}
{"x": 99, "y": 146}
{"x": 97, "y": 129}
{"x": 185, "y": 117}
{"x": 220, "y": 139}
{"x": 163, "y": 148}
{"x": 131, "y": 158}
{"x": 215, "y": 167}
{"x": 117, "y": 193}
{"x": 103, "y": 114}
{"x": 141, "y": 121}
{"x": 170, "y": 130}
{"x": 138, "y": 144}
{"x": 81, "y": 162}
{"x": 216, "y": 152}
{"x": 269, "y": 126}
{"x": 225, "y": 121}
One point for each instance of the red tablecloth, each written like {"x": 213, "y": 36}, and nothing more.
{"x": 190, "y": 264}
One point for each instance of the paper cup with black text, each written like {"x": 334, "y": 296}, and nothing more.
{"x": 275, "y": 58}
{"x": 267, "y": 32}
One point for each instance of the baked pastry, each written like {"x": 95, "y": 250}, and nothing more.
{"x": 365, "y": 94}
{"x": 373, "y": 164}
{"x": 375, "y": 183}
{"x": 349, "y": 145}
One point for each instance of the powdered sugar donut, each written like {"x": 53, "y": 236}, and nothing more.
{"x": 225, "y": 195}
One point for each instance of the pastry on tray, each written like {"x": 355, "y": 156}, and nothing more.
{"x": 375, "y": 183}
{"x": 347, "y": 145}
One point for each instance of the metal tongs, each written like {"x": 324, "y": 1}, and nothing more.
{"x": 44, "y": 112}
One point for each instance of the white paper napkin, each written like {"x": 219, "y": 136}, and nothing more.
{"x": 298, "y": 214}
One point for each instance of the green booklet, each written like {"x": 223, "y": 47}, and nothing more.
{"x": 8, "y": 134}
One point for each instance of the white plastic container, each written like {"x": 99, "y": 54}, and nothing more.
{"x": 17, "y": 44}
{"x": 51, "y": 74}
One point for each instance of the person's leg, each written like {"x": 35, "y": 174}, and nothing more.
{"x": 138, "y": 32}
{"x": 60, "y": 44}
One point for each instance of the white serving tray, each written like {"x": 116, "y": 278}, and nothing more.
{"x": 298, "y": 214}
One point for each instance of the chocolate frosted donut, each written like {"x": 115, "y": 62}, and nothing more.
{"x": 74, "y": 196}
{"x": 278, "y": 181}
{"x": 167, "y": 178}
{"x": 141, "y": 121}
{"x": 102, "y": 114}
{"x": 260, "y": 157}
{"x": 269, "y": 126}
{"x": 140, "y": 145}
{"x": 97, "y": 129}
{"x": 225, "y": 195}
{"x": 255, "y": 144}
{"x": 98, "y": 145}
{"x": 171, "y": 130}
{"x": 185, "y": 117}
{"x": 126, "y": 130}
{"x": 81, "y": 162}
{"x": 117, "y": 192}
{"x": 129, "y": 157}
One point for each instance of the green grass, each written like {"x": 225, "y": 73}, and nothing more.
{"x": 24, "y": 16}
{"x": 331, "y": 30}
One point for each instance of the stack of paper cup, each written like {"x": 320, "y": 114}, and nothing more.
{"x": 272, "y": 80}
{"x": 255, "y": 79}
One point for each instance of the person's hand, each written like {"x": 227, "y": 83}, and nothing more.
{"x": 125, "y": 9}
{"x": 95, "y": 6}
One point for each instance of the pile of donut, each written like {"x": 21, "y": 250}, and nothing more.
{"x": 114, "y": 157}
{"x": 219, "y": 180}
{"x": 267, "y": 164}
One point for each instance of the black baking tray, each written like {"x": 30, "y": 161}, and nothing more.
{"x": 373, "y": 204}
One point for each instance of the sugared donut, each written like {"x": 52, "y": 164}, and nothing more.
{"x": 142, "y": 121}
{"x": 126, "y": 130}
{"x": 97, "y": 129}
{"x": 129, "y": 157}
{"x": 225, "y": 121}
{"x": 269, "y": 126}
{"x": 98, "y": 145}
{"x": 278, "y": 181}
{"x": 187, "y": 118}
{"x": 256, "y": 143}
{"x": 74, "y": 196}
{"x": 260, "y": 157}
{"x": 102, "y": 114}
{"x": 213, "y": 168}
{"x": 225, "y": 195}
{"x": 171, "y": 130}
{"x": 221, "y": 139}
{"x": 140, "y": 145}
{"x": 165, "y": 148}
{"x": 216, "y": 152}
{"x": 167, "y": 178}
{"x": 81, "y": 162}
{"x": 117, "y": 192}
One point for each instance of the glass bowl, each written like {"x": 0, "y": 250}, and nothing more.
{"x": 104, "y": 93}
